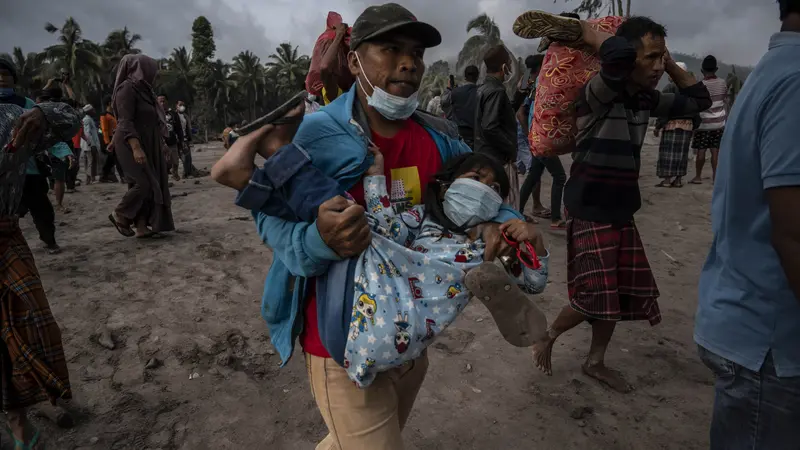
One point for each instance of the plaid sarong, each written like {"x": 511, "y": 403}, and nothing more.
{"x": 608, "y": 275}
{"x": 32, "y": 363}
{"x": 673, "y": 153}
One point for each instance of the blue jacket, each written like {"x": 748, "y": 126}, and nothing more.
{"x": 335, "y": 138}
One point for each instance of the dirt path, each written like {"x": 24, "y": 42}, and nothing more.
{"x": 191, "y": 303}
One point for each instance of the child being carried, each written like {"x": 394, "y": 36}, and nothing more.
{"x": 409, "y": 284}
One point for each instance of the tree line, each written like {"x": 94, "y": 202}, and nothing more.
{"x": 217, "y": 92}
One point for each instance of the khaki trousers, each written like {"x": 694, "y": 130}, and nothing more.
{"x": 364, "y": 419}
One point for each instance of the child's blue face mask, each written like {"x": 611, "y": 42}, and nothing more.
{"x": 469, "y": 202}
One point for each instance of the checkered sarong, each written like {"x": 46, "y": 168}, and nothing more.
{"x": 32, "y": 363}
{"x": 673, "y": 153}
{"x": 608, "y": 275}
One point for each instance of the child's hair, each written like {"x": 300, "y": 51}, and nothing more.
{"x": 454, "y": 168}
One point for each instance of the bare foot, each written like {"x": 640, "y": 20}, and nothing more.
{"x": 609, "y": 377}
{"x": 695, "y": 180}
{"x": 542, "y": 354}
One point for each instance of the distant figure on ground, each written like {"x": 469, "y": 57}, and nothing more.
{"x": 495, "y": 121}
{"x": 90, "y": 144}
{"x": 709, "y": 134}
{"x": 435, "y": 104}
{"x": 460, "y": 102}
{"x": 186, "y": 143}
{"x": 174, "y": 137}
{"x": 676, "y": 137}
{"x": 141, "y": 129}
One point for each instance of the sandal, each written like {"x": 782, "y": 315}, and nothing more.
{"x": 676, "y": 184}
{"x": 125, "y": 231}
{"x": 542, "y": 213}
{"x": 560, "y": 225}
{"x": 32, "y": 444}
{"x": 663, "y": 184}
{"x": 693, "y": 181}
{"x": 539, "y": 24}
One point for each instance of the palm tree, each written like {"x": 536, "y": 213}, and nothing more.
{"x": 248, "y": 73}
{"x": 488, "y": 35}
{"x": 118, "y": 44}
{"x": 177, "y": 77}
{"x": 221, "y": 87}
{"x": 79, "y": 57}
{"x": 592, "y": 8}
{"x": 435, "y": 79}
{"x": 291, "y": 68}
{"x": 28, "y": 68}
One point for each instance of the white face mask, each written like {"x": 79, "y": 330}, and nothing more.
{"x": 469, "y": 202}
{"x": 390, "y": 106}
{"x": 181, "y": 108}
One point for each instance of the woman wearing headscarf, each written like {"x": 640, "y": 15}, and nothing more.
{"x": 138, "y": 143}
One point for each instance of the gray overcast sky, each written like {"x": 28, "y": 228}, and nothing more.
{"x": 736, "y": 31}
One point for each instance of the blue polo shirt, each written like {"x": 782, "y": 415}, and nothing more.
{"x": 746, "y": 307}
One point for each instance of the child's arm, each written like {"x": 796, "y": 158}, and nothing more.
{"x": 380, "y": 214}
{"x": 533, "y": 280}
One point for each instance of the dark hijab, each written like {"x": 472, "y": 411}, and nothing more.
{"x": 140, "y": 71}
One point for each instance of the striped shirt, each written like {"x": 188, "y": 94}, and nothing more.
{"x": 612, "y": 123}
{"x": 714, "y": 117}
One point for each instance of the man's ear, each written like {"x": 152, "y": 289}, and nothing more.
{"x": 352, "y": 64}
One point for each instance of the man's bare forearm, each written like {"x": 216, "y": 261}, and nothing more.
{"x": 236, "y": 167}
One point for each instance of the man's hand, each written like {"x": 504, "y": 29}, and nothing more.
{"x": 29, "y": 128}
{"x": 496, "y": 246}
{"x": 522, "y": 231}
{"x": 270, "y": 138}
{"x": 341, "y": 29}
{"x": 682, "y": 78}
{"x": 70, "y": 162}
{"x": 343, "y": 226}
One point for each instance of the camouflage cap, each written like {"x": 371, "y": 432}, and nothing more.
{"x": 378, "y": 20}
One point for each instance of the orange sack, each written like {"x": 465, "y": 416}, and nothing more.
{"x": 314, "y": 77}
{"x": 564, "y": 72}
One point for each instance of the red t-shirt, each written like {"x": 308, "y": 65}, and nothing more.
{"x": 410, "y": 161}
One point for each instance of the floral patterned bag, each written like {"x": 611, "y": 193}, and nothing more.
{"x": 564, "y": 71}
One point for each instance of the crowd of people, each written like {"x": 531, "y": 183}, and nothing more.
{"x": 385, "y": 219}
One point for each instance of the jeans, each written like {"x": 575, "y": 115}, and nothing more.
{"x": 753, "y": 410}
{"x": 556, "y": 169}
{"x": 289, "y": 187}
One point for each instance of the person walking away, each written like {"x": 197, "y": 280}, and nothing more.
{"x": 72, "y": 174}
{"x": 388, "y": 46}
{"x": 531, "y": 187}
{"x": 495, "y": 121}
{"x": 749, "y": 291}
{"x": 435, "y": 104}
{"x": 32, "y": 355}
{"x": 460, "y": 104}
{"x": 185, "y": 136}
{"x": 676, "y": 138}
{"x": 90, "y": 144}
{"x": 608, "y": 275}
{"x": 709, "y": 134}
{"x": 59, "y": 158}
{"x": 329, "y": 66}
{"x": 174, "y": 137}
{"x": 108, "y": 124}
{"x": 141, "y": 129}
